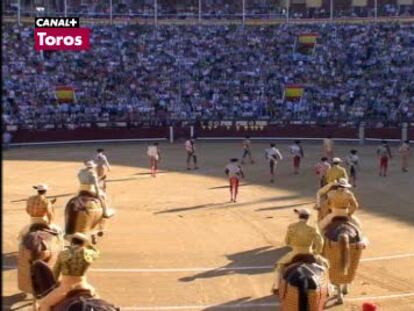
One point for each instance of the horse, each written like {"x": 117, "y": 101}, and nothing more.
{"x": 39, "y": 243}
{"x": 84, "y": 213}
{"x": 76, "y": 300}
{"x": 343, "y": 248}
{"x": 303, "y": 284}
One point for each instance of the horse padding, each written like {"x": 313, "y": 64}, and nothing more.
{"x": 332, "y": 252}
{"x": 24, "y": 259}
{"x": 83, "y": 214}
{"x": 289, "y": 295}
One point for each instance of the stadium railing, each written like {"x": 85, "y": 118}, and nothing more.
{"x": 206, "y": 18}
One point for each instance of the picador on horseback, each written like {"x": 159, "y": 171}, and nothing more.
{"x": 341, "y": 202}
{"x": 303, "y": 239}
{"x": 86, "y": 212}
{"x": 40, "y": 210}
{"x": 65, "y": 288}
{"x": 341, "y": 229}
{"x": 301, "y": 276}
{"x": 89, "y": 183}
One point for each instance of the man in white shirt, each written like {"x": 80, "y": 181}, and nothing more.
{"x": 296, "y": 151}
{"x": 234, "y": 172}
{"x": 191, "y": 153}
{"x": 154, "y": 155}
{"x": 273, "y": 155}
{"x": 102, "y": 166}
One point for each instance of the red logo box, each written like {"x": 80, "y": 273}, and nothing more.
{"x": 61, "y": 39}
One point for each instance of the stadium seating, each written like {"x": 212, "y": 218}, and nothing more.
{"x": 139, "y": 72}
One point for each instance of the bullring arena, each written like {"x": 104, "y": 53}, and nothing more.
{"x": 177, "y": 244}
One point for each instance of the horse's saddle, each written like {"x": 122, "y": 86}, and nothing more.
{"x": 342, "y": 225}
{"x": 37, "y": 241}
{"x": 80, "y": 202}
{"x": 81, "y": 300}
{"x": 303, "y": 267}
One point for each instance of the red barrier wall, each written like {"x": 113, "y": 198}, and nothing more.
{"x": 385, "y": 133}
{"x": 25, "y": 136}
{"x": 304, "y": 131}
{"x": 300, "y": 131}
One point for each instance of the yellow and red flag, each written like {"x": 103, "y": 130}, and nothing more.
{"x": 308, "y": 39}
{"x": 65, "y": 94}
{"x": 294, "y": 91}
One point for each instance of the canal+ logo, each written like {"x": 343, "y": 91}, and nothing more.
{"x": 60, "y": 34}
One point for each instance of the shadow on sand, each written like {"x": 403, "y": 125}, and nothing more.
{"x": 262, "y": 258}
{"x": 9, "y": 261}
{"x": 284, "y": 206}
{"x": 227, "y": 186}
{"x": 216, "y": 205}
{"x": 8, "y": 302}
{"x": 247, "y": 303}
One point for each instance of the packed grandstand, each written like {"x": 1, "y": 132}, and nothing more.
{"x": 227, "y": 72}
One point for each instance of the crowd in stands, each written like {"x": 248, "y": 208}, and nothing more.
{"x": 140, "y": 72}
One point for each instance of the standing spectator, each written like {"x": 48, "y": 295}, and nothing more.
{"x": 191, "y": 153}
{"x": 153, "y": 152}
{"x": 273, "y": 155}
{"x": 296, "y": 151}
{"x": 328, "y": 147}
{"x": 405, "y": 152}
{"x": 352, "y": 161}
{"x": 247, "y": 151}
{"x": 102, "y": 167}
{"x": 384, "y": 155}
{"x": 234, "y": 172}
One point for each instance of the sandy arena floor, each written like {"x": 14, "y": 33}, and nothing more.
{"x": 177, "y": 244}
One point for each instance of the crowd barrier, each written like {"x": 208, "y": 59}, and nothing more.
{"x": 208, "y": 132}
{"x": 29, "y": 20}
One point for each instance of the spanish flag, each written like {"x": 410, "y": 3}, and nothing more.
{"x": 65, "y": 94}
{"x": 308, "y": 39}
{"x": 293, "y": 91}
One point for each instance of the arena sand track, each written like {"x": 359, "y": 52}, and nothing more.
{"x": 178, "y": 230}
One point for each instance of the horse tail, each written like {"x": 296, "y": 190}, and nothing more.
{"x": 303, "y": 288}
{"x": 70, "y": 215}
{"x": 345, "y": 252}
